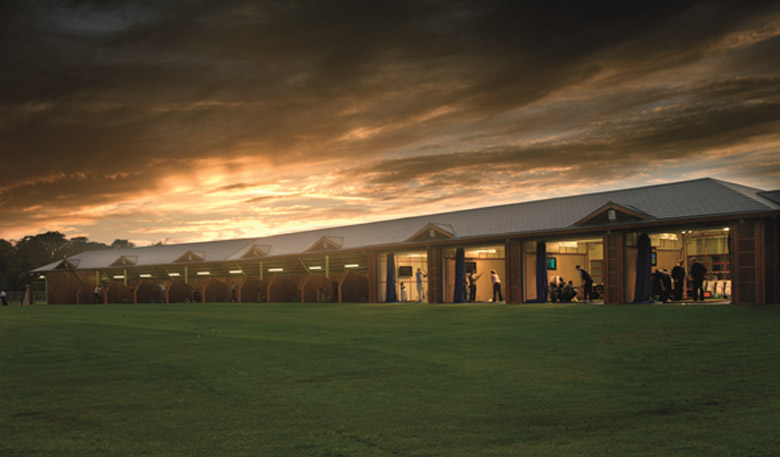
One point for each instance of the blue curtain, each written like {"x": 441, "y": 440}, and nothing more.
{"x": 644, "y": 282}
{"x": 459, "y": 296}
{"x": 390, "y": 294}
{"x": 541, "y": 273}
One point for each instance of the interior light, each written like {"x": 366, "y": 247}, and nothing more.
{"x": 41, "y": 276}
{"x": 236, "y": 272}
{"x": 174, "y": 274}
{"x": 204, "y": 273}
{"x": 119, "y": 276}
{"x": 145, "y": 275}
{"x": 274, "y": 270}
{"x": 725, "y": 229}
{"x": 315, "y": 268}
{"x": 351, "y": 265}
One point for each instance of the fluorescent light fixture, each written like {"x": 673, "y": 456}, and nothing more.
{"x": 351, "y": 265}
{"x": 174, "y": 274}
{"x": 568, "y": 244}
{"x": 204, "y": 273}
{"x": 315, "y": 268}
{"x": 41, "y": 276}
{"x": 273, "y": 270}
{"x": 236, "y": 272}
{"x": 145, "y": 275}
{"x": 725, "y": 229}
{"x": 119, "y": 276}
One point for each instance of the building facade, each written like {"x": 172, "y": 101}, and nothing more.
{"x": 619, "y": 237}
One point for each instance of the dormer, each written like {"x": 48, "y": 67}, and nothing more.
{"x": 67, "y": 264}
{"x": 433, "y": 232}
{"x": 612, "y": 213}
{"x": 191, "y": 256}
{"x": 256, "y": 251}
{"x": 327, "y": 243}
{"x": 124, "y": 261}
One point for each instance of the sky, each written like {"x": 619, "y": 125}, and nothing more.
{"x": 179, "y": 121}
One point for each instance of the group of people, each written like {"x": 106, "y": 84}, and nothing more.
{"x": 470, "y": 284}
{"x": 562, "y": 291}
{"x": 418, "y": 276}
{"x": 672, "y": 284}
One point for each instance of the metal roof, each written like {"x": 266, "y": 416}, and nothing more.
{"x": 704, "y": 197}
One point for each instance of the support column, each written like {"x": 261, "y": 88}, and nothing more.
{"x": 747, "y": 263}
{"x": 372, "y": 275}
{"x": 435, "y": 282}
{"x": 514, "y": 271}
{"x": 614, "y": 279}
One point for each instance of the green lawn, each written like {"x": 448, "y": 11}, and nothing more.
{"x": 387, "y": 380}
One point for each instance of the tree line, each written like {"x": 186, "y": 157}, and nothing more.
{"x": 17, "y": 259}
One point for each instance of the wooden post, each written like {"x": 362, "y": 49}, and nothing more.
{"x": 327, "y": 266}
{"x": 614, "y": 287}
{"x": 514, "y": 271}
{"x": 434, "y": 274}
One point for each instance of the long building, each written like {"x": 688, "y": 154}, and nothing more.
{"x": 621, "y": 237}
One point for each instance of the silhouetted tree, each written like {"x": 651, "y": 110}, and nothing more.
{"x": 36, "y": 251}
{"x": 120, "y": 244}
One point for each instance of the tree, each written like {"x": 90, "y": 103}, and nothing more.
{"x": 9, "y": 268}
{"x": 121, "y": 244}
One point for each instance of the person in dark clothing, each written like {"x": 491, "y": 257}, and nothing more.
{"x": 473, "y": 286}
{"x": 554, "y": 293}
{"x": 678, "y": 275}
{"x": 662, "y": 285}
{"x": 568, "y": 292}
{"x": 698, "y": 270}
{"x": 587, "y": 284}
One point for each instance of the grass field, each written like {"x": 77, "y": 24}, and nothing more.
{"x": 389, "y": 380}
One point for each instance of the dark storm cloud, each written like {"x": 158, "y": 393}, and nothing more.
{"x": 725, "y": 113}
{"x": 105, "y": 100}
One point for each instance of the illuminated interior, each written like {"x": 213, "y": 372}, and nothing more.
{"x": 563, "y": 256}
{"x": 481, "y": 260}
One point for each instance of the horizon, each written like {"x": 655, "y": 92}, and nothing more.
{"x": 184, "y": 122}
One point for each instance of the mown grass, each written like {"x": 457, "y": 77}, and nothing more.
{"x": 385, "y": 380}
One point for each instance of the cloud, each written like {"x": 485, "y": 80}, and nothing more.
{"x": 174, "y": 108}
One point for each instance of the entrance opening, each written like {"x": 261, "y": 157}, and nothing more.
{"x": 708, "y": 246}
{"x": 480, "y": 260}
{"x": 562, "y": 258}
{"x": 406, "y": 265}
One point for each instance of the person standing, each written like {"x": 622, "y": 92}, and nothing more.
{"x": 98, "y": 299}
{"x": 233, "y": 292}
{"x": 587, "y": 284}
{"x": 698, "y": 270}
{"x": 3, "y": 298}
{"x": 678, "y": 275}
{"x": 163, "y": 293}
{"x": 496, "y": 286}
{"x": 420, "y": 288}
{"x": 473, "y": 286}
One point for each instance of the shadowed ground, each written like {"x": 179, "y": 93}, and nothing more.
{"x": 383, "y": 380}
